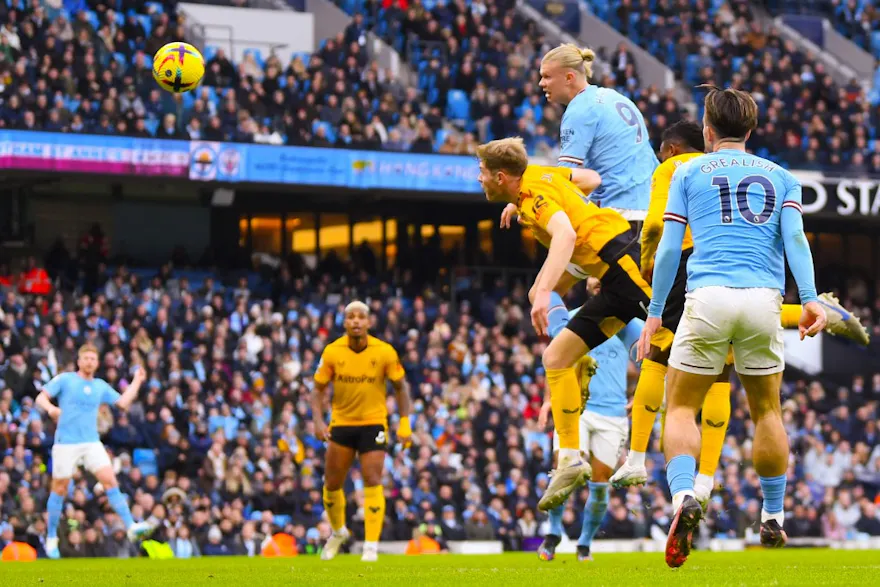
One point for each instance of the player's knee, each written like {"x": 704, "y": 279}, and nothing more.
{"x": 554, "y": 358}
{"x": 59, "y": 486}
{"x": 373, "y": 477}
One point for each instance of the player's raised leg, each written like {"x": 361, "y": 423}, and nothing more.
{"x": 572, "y": 471}
{"x": 99, "y": 464}
{"x": 841, "y": 322}
{"x": 339, "y": 459}
{"x": 372, "y": 464}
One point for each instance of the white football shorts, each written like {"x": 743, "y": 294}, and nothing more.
{"x": 601, "y": 436}
{"x": 716, "y": 317}
{"x": 67, "y": 457}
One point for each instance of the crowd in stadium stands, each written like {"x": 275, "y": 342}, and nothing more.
{"x": 221, "y": 448}
{"x": 89, "y": 71}
{"x": 806, "y": 120}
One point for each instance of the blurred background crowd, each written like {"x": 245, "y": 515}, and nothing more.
{"x": 220, "y": 447}
{"x": 86, "y": 68}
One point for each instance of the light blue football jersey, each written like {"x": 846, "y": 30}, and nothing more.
{"x": 79, "y": 400}
{"x": 733, "y": 202}
{"x": 604, "y": 131}
{"x": 608, "y": 385}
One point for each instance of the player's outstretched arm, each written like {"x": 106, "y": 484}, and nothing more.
{"x": 131, "y": 392}
{"x": 44, "y": 402}
{"x": 404, "y": 409}
{"x": 562, "y": 241}
{"x": 800, "y": 261}
{"x": 586, "y": 179}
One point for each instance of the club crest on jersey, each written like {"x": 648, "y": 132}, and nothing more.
{"x": 373, "y": 362}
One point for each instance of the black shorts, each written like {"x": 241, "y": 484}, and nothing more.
{"x": 361, "y": 439}
{"x": 675, "y": 302}
{"x": 624, "y": 295}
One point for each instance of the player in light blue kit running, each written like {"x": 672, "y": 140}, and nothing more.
{"x": 603, "y": 431}
{"x": 746, "y": 219}
{"x": 77, "y": 442}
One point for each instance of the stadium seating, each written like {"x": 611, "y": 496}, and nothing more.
{"x": 722, "y": 43}
{"x": 205, "y": 431}
{"x": 451, "y": 75}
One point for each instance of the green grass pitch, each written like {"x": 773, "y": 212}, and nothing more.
{"x": 755, "y": 567}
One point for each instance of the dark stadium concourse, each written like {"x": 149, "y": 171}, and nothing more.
{"x": 464, "y": 228}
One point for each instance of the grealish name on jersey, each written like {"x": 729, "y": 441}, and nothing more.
{"x": 716, "y": 164}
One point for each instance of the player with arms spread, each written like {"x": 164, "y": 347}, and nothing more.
{"x": 745, "y": 218}
{"x": 603, "y": 430}
{"x": 683, "y": 142}
{"x": 582, "y": 239}
{"x": 80, "y": 396}
{"x": 357, "y": 365}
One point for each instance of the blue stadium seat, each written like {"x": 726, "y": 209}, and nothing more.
{"x": 692, "y": 69}
{"x": 152, "y": 125}
{"x": 145, "y": 460}
{"x": 93, "y": 19}
{"x": 281, "y": 520}
{"x": 736, "y": 63}
{"x": 154, "y": 7}
{"x": 147, "y": 23}
{"x": 209, "y": 52}
{"x": 458, "y": 105}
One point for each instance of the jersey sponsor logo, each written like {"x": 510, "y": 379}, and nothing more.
{"x": 87, "y": 389}
{"x": 566, "y": 136}
{"x": 342, "y": 378}
{"x": 380, "y": 438}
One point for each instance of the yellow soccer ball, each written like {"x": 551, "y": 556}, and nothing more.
{"x": 178, "y": 67}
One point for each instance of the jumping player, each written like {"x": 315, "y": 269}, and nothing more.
{"x": 745, "y": 218}
{"x": 358, "y": 365}
{"x": 683, "y": 142}
{"x": 78, "y": 443}
{"x": 582, "y": 239}
{"x": 603, "y": 430}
